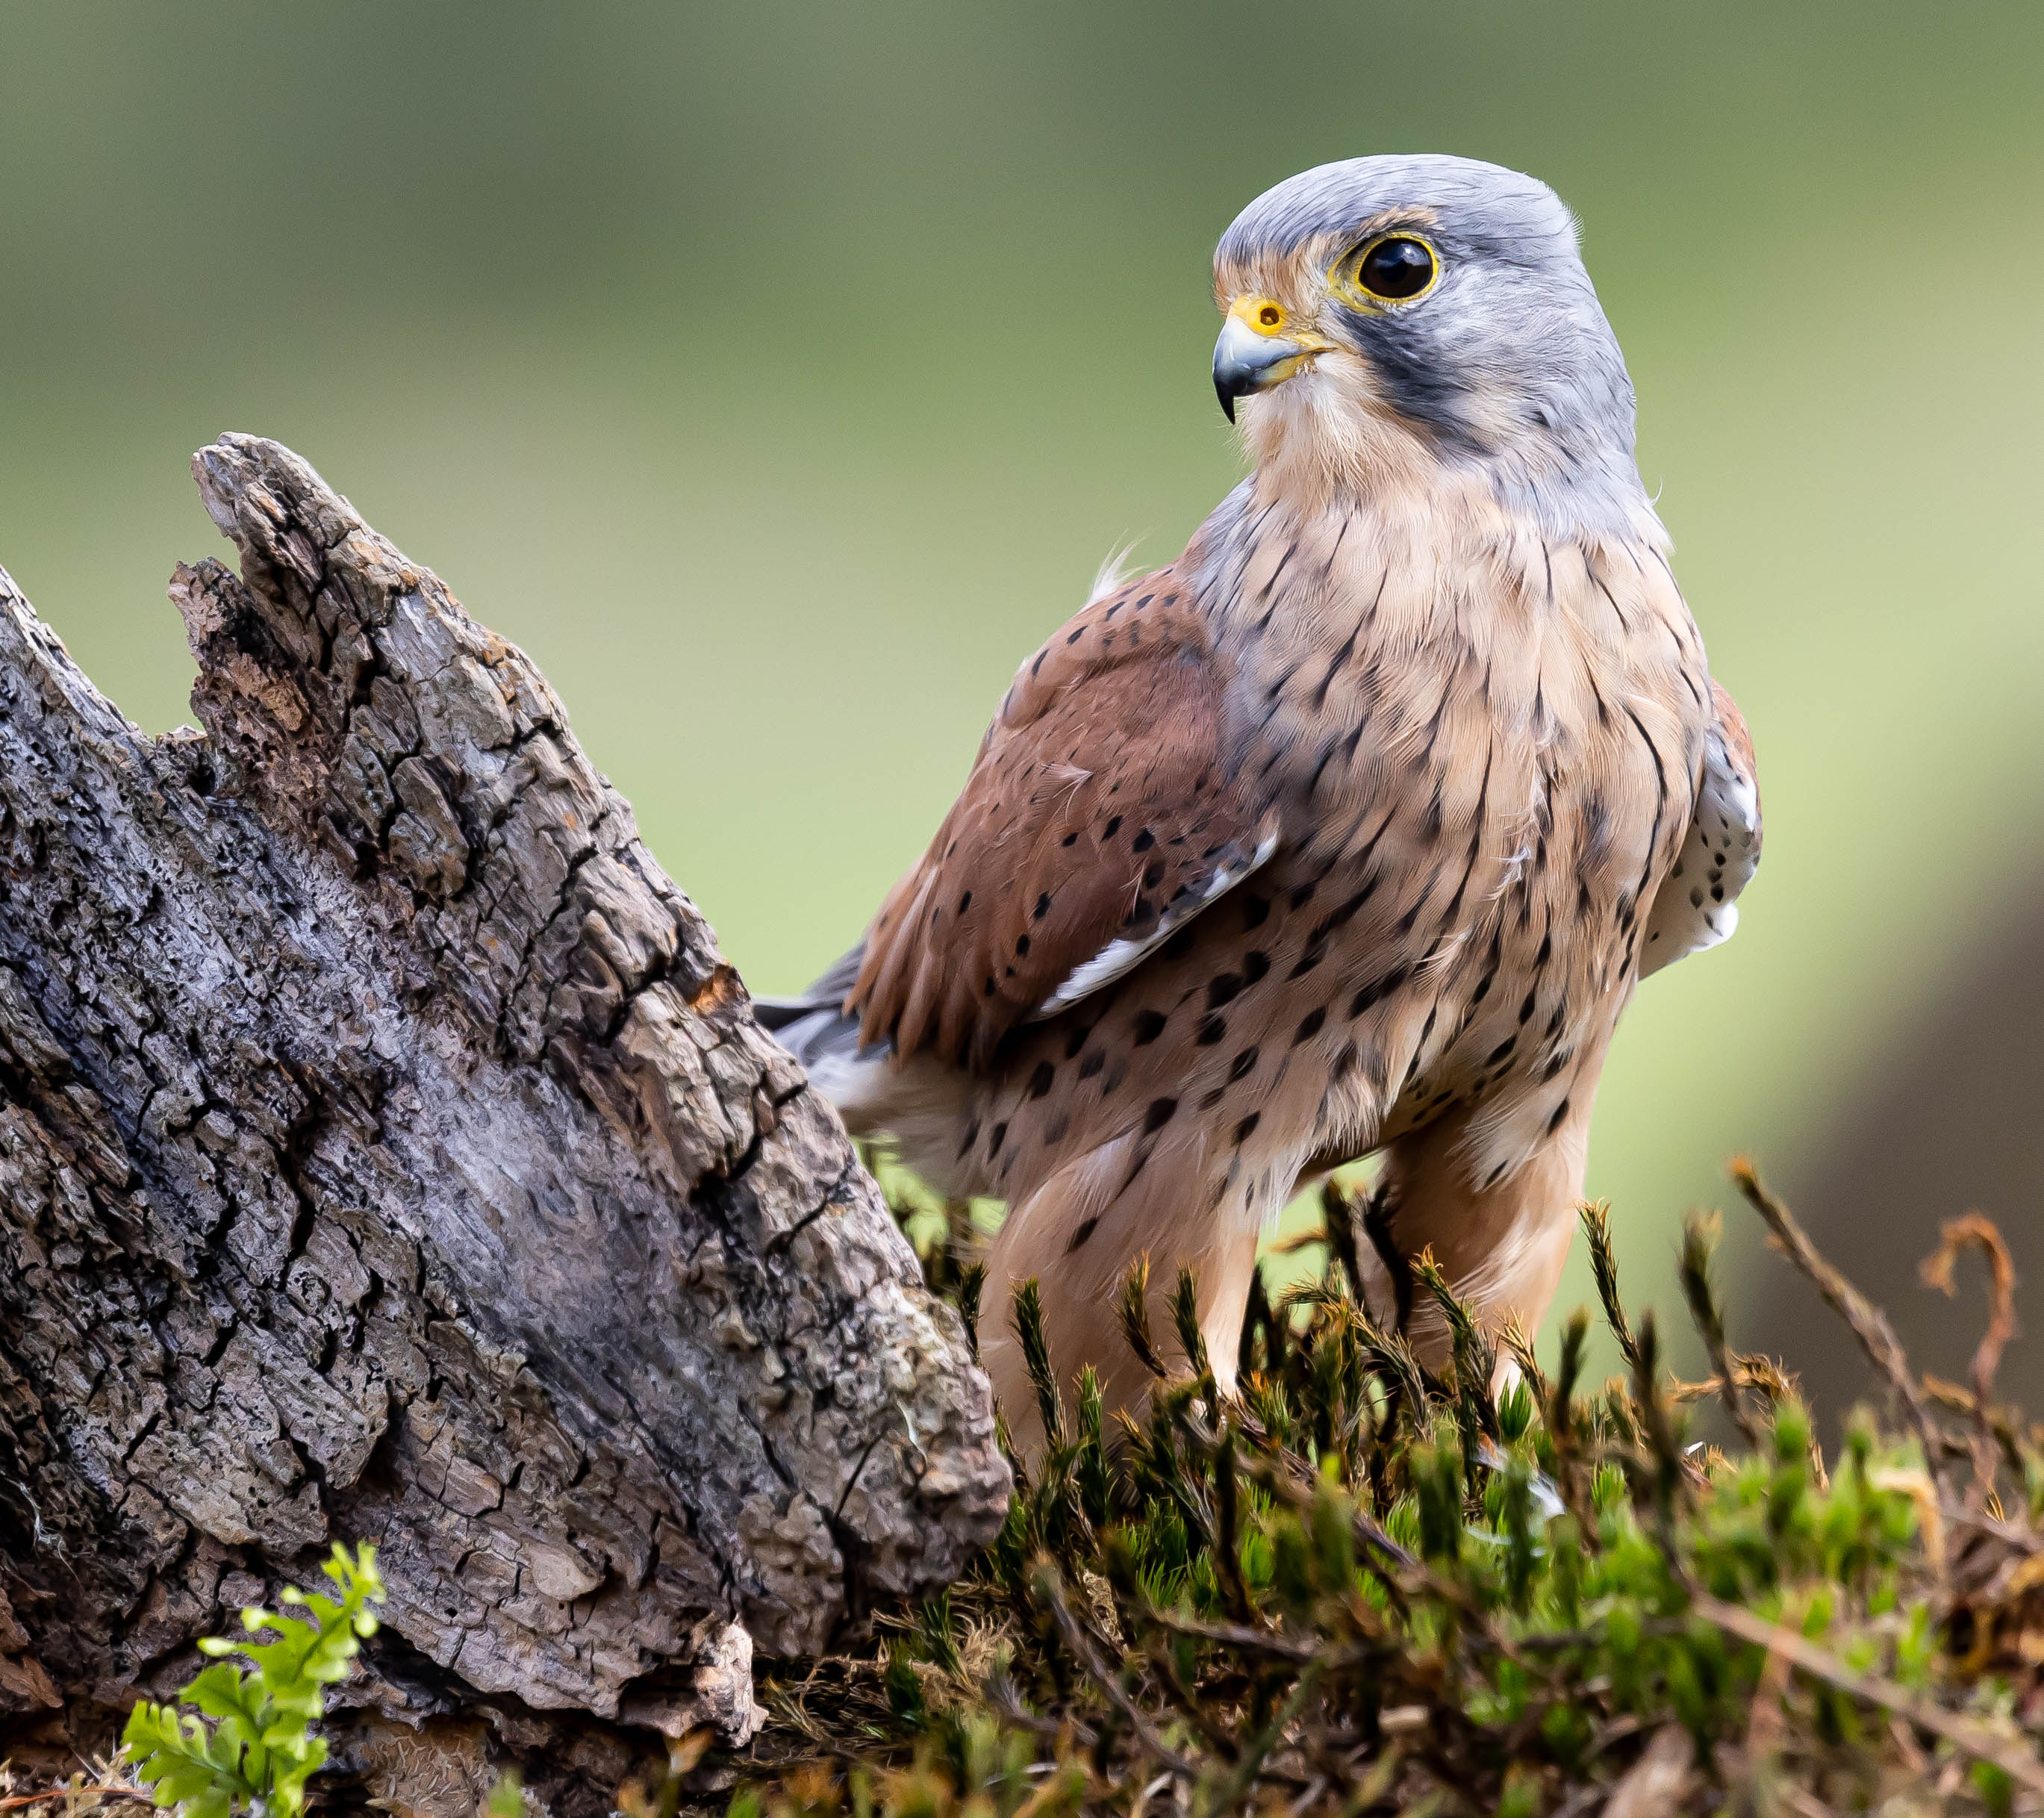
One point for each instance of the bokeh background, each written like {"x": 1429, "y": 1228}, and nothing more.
{"x": 778, "y": 374}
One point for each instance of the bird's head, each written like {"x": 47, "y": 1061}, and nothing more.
{"x": 1388, "y": 315}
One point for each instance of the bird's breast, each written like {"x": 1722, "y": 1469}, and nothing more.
{"x": 1479, "y": 749}
{"x": 1483, "y": 745}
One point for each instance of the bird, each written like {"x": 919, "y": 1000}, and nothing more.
{"x": 1348, "y": 831}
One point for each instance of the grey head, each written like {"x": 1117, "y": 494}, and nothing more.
{"x": 1460, "y": 289}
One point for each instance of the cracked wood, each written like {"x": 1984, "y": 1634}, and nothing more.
{"x": 386, "y": 1151}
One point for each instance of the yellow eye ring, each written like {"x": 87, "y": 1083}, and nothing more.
{"x": 1393, "y": 270}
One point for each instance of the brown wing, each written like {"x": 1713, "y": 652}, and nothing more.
{"x": 1099, "y": 816}
{"x": 1697, "y": 906}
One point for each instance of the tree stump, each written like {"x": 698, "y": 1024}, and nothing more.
{"x": 387, "y": 1153}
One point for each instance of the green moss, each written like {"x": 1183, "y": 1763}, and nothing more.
{"x": 1356, "y": 1584}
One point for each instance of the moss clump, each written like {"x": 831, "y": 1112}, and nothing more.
{"x": 1357, "y": 1586}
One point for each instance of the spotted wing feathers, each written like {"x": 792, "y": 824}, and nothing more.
{"x": 1697, "y": 906}
{"x": 1100, "y": 817}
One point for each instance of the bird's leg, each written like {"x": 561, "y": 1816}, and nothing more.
{"x": 1501, "y": 1240}
{"x": 1079, "y": 1235}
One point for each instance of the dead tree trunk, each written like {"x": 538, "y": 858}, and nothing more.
{"x": 386, "y": 1152}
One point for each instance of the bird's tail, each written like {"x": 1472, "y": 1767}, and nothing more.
{"x": 814, "y": 1028}
{"x": 920, "y": 1106}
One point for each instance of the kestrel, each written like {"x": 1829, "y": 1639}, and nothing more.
{"x": 1351, "y": 830}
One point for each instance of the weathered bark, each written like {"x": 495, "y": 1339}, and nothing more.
{"x": 386, "y": 1152}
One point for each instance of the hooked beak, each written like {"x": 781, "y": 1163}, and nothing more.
{"x": 1249, "y": 358}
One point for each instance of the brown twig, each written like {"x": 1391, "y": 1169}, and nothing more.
{"x": 1049, "y": 1586}
{"x": 1187, "y": 1701}
{"x": 1249, "y": 1640}
{"x": 1868, "y": 1324}
{"x": 1247, "y": 1771}
{"x": 1976, "y": 1231}
{"x": 2013, "y": 1758}
{"x": 1979, "y": 1232}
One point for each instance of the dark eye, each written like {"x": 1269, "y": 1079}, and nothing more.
{"x": 1396, "y": 268}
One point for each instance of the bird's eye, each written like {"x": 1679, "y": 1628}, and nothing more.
{"x": 1396, "y": 268}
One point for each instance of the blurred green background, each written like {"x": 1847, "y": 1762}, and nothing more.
{"x": 778, "y": 375}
